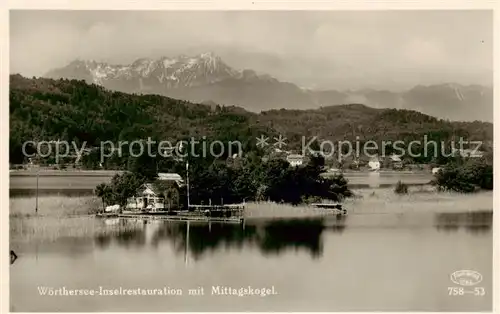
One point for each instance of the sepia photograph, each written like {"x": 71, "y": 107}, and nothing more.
{"x": 250, "y": 160}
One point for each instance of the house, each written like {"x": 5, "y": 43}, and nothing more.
{"x": 396, "y": 162}
{"x": 295, "y": 160}
{"x": 149, "y": 198}
{"x": 374, "y": 164}
{"x": 435, "y": 170}
{"x": 471, "y": 153}
{"x": 162, "y": 195}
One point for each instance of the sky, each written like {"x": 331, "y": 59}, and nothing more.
{"x": 314, "y": 49}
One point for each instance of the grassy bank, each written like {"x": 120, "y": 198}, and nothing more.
{"x": 365, "y": 200}
{"x": 61, "y": 173}
{"x": 57, "y": 217}
{"x": 382, "y": 201}
{"x": 53, "y": 206}
{"x": 418, "y": 199}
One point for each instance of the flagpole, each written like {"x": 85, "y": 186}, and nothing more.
{"x": 37, "y": 178}
{"x": 187, "y": 182}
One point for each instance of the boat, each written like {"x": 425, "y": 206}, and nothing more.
{"x": 333, "y": 206}
{"x": 107, "y": 215}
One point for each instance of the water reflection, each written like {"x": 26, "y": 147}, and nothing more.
{"x": 271, "y": 237}
{"x": 474, "y": 222}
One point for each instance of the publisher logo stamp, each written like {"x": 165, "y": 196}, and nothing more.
{"x": 466, "y": 277}
{"x": 465, "y": 280}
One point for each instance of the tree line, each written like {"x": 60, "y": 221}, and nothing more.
{"x": 222, "y": 183}
{"x": 72, "y": 110}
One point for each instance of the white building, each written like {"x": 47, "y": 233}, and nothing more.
{"x": 374, "y": 164}
{"x": 153, "y": 198}
{"x": 395, "y": 158}
{"x": 295, "y": 160}
{"x": 471, "y": 153}
{"x": 436, "y": 170}
{"x": 396, "y": 162}
{"x": 147, "y": 199}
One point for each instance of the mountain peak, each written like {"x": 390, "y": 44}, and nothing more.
{"x": 209, "y": 55}
{"x": 202, "y": 76}
{"x": 173, "y": 72}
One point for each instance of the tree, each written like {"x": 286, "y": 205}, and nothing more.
{"x": 465, "y": 176}
{"x": 104, "y": 192}
{"x": 125, "y": 186}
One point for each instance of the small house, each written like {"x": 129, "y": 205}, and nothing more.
{"x": 295, "y": 160}
{"x": 435, "y": 170}
{"x": 149, "y": 198}
{"x": 469, "y": 153}
{"x": 162, "y": 195}
{"x": 374, "y": 164}
{"x": 396, "y": 162}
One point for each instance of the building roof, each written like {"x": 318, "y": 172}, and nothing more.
{"x": 170, "y": 177}
{"x": 468, "y": 152}
{"x": 149, "y": 189}
{"x": 295, "y": 156}
{"x": 395, "y": 158}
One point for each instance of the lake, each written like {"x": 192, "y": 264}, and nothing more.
{"x": 23, "y": 183}
{"x": 393, "y": 257}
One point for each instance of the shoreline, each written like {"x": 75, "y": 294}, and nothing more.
{"x": 84, "y": 172}
{"x": 63, "y": 173}
{"x": 59, "y": 181}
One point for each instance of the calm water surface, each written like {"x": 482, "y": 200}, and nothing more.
{"x": 69, "y": 183}
{"x": 355, "y": 263}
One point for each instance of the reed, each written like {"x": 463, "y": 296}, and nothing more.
{"x": 53, "y": 206}
{"x": 44, "y": 229}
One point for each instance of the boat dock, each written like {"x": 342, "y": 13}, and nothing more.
{"x": 334, "y": 206}
{"x": 219, "y": 213}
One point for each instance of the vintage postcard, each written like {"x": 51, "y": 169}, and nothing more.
{"x": 316, "y": 160}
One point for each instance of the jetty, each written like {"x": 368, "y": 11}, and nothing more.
{"x": 332, "y": 206}
{"x": 220, "y": 213}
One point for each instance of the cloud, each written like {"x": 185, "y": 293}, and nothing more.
{"x": 423, "y": 52}
{"x": 357, "y": 49}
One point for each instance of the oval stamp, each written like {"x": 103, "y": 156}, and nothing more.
{"x": 466, "y": 277}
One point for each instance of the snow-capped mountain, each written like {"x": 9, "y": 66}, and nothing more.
{"x": 205, "y": 77}
{"x": 178, "y": 72}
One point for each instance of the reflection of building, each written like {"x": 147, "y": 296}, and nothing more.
{"x": 295, "y": 159}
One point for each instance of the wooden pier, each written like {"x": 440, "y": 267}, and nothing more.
{"x": 219, "y": 213}
{"x": 334, "y": 206}
{"x": 183, "y": 218}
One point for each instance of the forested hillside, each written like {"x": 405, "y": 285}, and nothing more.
{"x": 46, "y": 109}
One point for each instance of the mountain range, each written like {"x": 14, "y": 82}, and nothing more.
{"x": 206, "y": 78}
